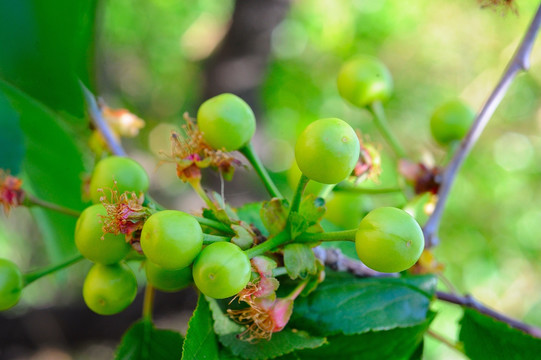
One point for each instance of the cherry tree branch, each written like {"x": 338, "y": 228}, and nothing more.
{"x": 470, "y": 302}
{"x": 101, "y": 124}
{"x": 519, "y": 62}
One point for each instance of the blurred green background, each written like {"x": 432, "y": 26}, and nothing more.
{"x": 152, "y": 57}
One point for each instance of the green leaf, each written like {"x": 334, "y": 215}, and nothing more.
{"x": 281, "y": 343}
{"x": 144, "y": 342}
{"x": 250, "y": 213}
{"x": 486, "y": 338}
{"x": 299, "y": 260}
{"x": 11, "y": 138}
{"x": 349, "y": 305}
{"x": 53, "y": 167}
{"x": 244, "y": 237}
{"x": 298, "y": 224}
{"x": 50, "y": 49}
{"x": 274, "y": 215}
{"x": 397, "y": 344}
{"x": 200, "y": 342}
{"x": 312, "y": 208}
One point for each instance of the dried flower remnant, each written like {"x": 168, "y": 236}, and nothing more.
{"x": 191, "y": 153}
{"x": 122, "y": 122}
{"x": 423, "y": 177}
{"x": 11, "y": 194}
{"x": 502, "y": 5}
{"x": 369, "y": 164}
{"x": 125, "y": 215}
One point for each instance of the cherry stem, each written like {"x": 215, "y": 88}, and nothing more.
{"x": 250, "y": 154}
{"x": 31, "y": 200}
{"x": 35, "y": 275}
{"x": 444, "y": 340}
{"x": 345, "y": 235}
{"x": 519, "y": 62}
{"x": 196, "y": 185}
{"x": 279, "y": 271}
{"x": 376, "y": 109}
{"x": 209, "y": 239}
{"x": 363, "y": 190}
{"x": 215, "y": 225}
{"x": 270, "y": 244}
{"x": 148, "y": 302}
{"x": 295, "y": 204}
{"x": 469, "y": 302}
{"x": 101, "y": 124}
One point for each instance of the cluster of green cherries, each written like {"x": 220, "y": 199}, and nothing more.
{"x": 387, "y": 239}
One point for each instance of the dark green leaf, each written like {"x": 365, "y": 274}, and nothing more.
{"x": 397, "y": 344}
{"x": 53, "y": 167}
{"x": 200, "y": 342}
{"x": 486, "y": 338}
{"x": 349, "y": 305}
{"x": 46, "y": 48}
{"x": 144, "y": 342}
{"x": 11, "y": 138}
{"x": 274, "y": 215}
{"x": 312, "y": 208}
{"x": 299, "y": 260}
{"x": 250, "y": 213}
{"x": 281, "y": 343}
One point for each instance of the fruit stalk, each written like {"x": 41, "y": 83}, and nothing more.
{"x": 33, "y": 276}
{"x": 249, "y": 153}
{"x": 376, "y": 109}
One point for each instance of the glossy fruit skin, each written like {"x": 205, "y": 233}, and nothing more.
{"x": 451, "y": 121}
{"x": 171, "y": 239}
{"x": 168, "y": 280}
{"x": 346, "y": 210}
{"x": 109, "y": 289}
{"x": 364, "y": 80}
{"x": 327, "y": 150}
{"x": 11, "y": 284}
{"x": 226, "y": 121}
{"x": 389, "y": 240}
{"x": 221, "y": 270}
{"x": 128, "y": 174}
{"x": 88, "y": 234}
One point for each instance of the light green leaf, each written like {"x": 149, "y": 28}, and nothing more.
{"x": 200, "y": 342}
{"x": 299, "y": 261}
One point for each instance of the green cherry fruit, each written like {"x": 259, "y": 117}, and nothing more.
{"x": 109, "y": 289}
{"x": 11, "y": 284}
{"x": 389, "y": 240}
{"x": 127, "y": 173}
{"x": 226, "y": 121}
{"x": 364, "y": 80}
{"x": 327, "y": 150}
{"x": 88, "y": 238}
{"x": 171, "y": 239}
{"x": 168, "y": 280}
{"x": 221, "y": 270}
{"x": 451, "y": 121}
{"x": 346, "y": 210}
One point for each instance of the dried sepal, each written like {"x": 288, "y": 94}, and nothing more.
{"x": 11, "y": 193}
{"x": 125, "y": 214}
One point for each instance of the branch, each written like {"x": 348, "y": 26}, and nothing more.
{"x": 336, "y": 260}
{"x": 519, "y": 62}
{"x": 470, "y": 302}
{"x": 101, "y": 124}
